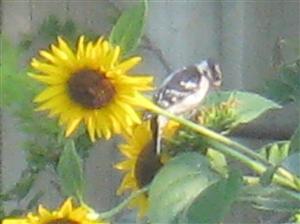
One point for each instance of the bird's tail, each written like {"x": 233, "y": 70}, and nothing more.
{"x": 156, "y": 133}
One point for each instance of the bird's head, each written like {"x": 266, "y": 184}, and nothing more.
{"x": 212, "y": 71}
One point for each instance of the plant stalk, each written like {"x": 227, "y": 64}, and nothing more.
{"x": 242, "y": 153}
{"x": 122, "y": 205}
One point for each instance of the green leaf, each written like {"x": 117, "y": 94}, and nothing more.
{"x": 249, "y": 105}
{"x": 177, "y": 185}
{"x": 212, "y": 204}
{"x": 276, "y": 152}
{"x": 295, "y": 141}
{"x": 218, "y": 161}
{"x": 69, "y": 30}
{"x": 129, "y": 28}
{"x": 276, "y": 90}
{"x": 22, "y": 187}
{"x": 291, "y": 75}
{"x": 50, "y": 28}
{"x": 70, "y": 171}
{"x": 292, "y": 162}
{"x": 270, "y": 198}
{"x": 267, "y": 177}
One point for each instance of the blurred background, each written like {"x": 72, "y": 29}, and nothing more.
{"x": 246, "y": 37}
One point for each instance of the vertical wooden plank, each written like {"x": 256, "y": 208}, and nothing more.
{"x": 231, "y": 42}
{"x": 92, "y": 15}
{"x": 186, "y": 31}
{"x": 42, "y": 9}
{"x": 15, "y": 22}
{"x": 16, "y": 19}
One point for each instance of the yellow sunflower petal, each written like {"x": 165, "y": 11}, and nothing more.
{"x": 56, "y": 102}
{"x": 128, "y": 182}
{"x": 49, "y": 70}
{"x": 49, "y": 57}
{"x": 129, "y": 64}
{"x": 128, "y": 152}
{"x": 80, "y": 48}
{"x": 15, "y": 221}
{"x": 114, "y": 56}
{"x": 67, "y": 213}
{"x": 72, "y": 125}
{"x": 66, "y": 208}
{"x": 125, "y": 165}
{"x": 65, "y": 47}
{"x": 49, "y": 93}
{"x": 43, "y": 212}
{"x": 139, "y": 82}
{"x": 47, "y": 79}
{"x": 62, "y": 55}
{"x": 73, "y": 99}
{"x": 90, "y": 123}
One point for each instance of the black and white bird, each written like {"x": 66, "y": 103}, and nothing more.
{"x": 182, "y": 92}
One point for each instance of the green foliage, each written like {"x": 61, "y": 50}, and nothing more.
{"x": 214, "y": 202}
{"x": 291, "y": 163}
{"x": 276, "y": 152}
{"x": 218, "y": 161}
{"x": 21, "y": 188}
{"x": 177, "y": 185}
{"x": 270, "y": 198}
{"x": 295, "y": 141}
{"x": 52, "y": 27}
{"x": 278, "y": 90}
{"x": 284, "y": 85}
{"x": 249, "y": 105}
{"x": 129, "y": 28}
{"x": 70, "y": 171}
{"x": 219, "y": 117}
{"x": 281, "y": 153}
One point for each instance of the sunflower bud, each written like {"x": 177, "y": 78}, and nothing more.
{"x": 219, "y": 117}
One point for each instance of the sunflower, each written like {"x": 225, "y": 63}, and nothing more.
{"x": 142, "y": 162}
{"x": 90, "y": 85}
{"x": 140, "y": 165}
{"x": 66, "y": 214}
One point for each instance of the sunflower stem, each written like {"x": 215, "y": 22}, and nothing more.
{"x": 238, "y": 151}
{"x": 249, "y": 180}
{"x": 122, "y": 205}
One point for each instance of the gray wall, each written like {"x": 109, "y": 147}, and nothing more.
{"x": 240, "y": 34}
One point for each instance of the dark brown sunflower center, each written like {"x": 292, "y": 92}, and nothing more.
{"x": 147, "y": 165}
{"x": 91, "y": 89}
{"x": 62, "y": 221}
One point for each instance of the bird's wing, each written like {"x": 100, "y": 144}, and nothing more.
{"x": 178, "y": 86}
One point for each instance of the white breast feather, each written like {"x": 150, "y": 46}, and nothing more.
{"x": 193, "y": 100}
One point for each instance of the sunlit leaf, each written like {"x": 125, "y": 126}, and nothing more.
{"x": 249, "y": 105}
{"x": 70, "y": 171}
{"x": 276, "y": 152}
{"x": 177, "y": 185}
{"x": 129, "y": 28}
{"x": 217, "y": 160}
